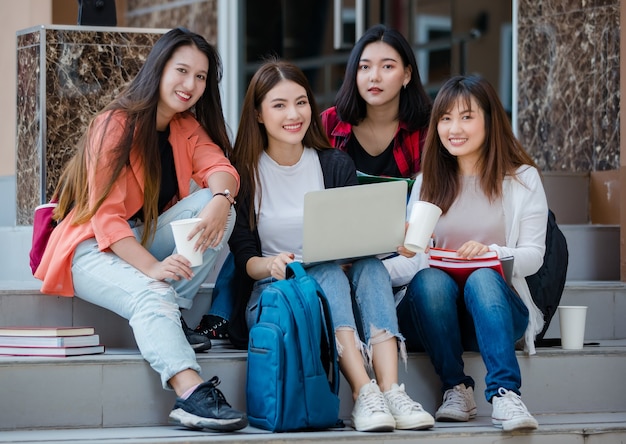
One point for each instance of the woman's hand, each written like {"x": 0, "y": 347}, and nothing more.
{"x": 403, "y": 251}
{"x": 175, "y": 267}
{"x": 471, "y": 249}
{"x": 213, "y": 224}
{"x": 277, "y": 265}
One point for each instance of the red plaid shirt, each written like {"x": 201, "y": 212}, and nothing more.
{"x": 407, "y": 147}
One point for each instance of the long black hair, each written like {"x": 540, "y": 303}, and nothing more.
{"x": 138, "y": 104}
{"x": 415, "y": 104}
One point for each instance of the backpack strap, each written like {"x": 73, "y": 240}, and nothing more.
{"x": 305, "y": 316}
{"x": 329, "y": 336}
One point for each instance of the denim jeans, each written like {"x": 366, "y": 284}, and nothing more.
{"x": 366, "y": 283}
{"x": 486, "y": 315}
{"x": 223, "y": 297}
{"x": 222, "y": 305}
{"x": 152, "y": 307}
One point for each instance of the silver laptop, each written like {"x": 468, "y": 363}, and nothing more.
{"x": 353, "y": 222}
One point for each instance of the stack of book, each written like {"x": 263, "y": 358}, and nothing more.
{"x": 460, "y": 268}
{"x": 49, "y": 341}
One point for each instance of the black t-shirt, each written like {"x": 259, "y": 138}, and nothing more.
{"x": 169, "y": 182}
{"x": 382, "y": 165}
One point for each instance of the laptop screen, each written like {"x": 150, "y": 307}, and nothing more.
{"x": 355, "y": 221}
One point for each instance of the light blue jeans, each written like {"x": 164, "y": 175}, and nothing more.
{"x": 360, "y": 299}
{"x": 152, "y": 307}
{"x": 486, "y": 315}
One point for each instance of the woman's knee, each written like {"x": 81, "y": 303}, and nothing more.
{"x": 369, "y": 266}
{"x": 485, "y": 287}
{"x": 199, "y": 198}
{"x": 370, "y": 273}
{"x": 431, "y": 287}
{"x": 327, "y": 271}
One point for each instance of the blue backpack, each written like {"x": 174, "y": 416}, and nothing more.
{"x": 293, "y": 374}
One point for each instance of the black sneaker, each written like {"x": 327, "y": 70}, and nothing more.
{"x": 197, "y": 340}
{"x": 206, "y": 408}
{"x": 214, "y": 327}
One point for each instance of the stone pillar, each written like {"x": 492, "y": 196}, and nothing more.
{"x": 65, "y": 74}
{"x": 569, "y": 74}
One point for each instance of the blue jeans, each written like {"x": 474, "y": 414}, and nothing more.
{"x": 486, "y": 315}
{"x": 151, "y": 306}
{"x": 366, "y": 283}
{"x": 223, "y": 297}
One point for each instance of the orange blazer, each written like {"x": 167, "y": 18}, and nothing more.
{"x": 196, "y": 157}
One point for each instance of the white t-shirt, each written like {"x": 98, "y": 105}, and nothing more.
{"x": 282, "y": 201}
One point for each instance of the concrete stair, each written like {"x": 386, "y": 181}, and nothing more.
{"x": 577, "y": 396}
{"x": 553, "y": 429}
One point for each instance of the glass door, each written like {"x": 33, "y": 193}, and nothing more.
{"x": 449, "y": 37}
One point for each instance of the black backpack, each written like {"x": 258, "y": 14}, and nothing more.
{"x": 546, "y": 286}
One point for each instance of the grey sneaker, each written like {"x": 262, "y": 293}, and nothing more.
{"x": 370, "y": 412}
{"x": 458, "y": 404}
{"x": 408, "y": 414}
{"x": 206, "y": 408}
{"x": 510, "y": 413}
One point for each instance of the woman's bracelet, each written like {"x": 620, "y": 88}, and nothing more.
{"x": 227, "y": 195}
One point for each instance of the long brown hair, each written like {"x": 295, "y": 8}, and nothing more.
{"x": 138, "y": 102}
{"x": 500, "y": 155}
{"x": 252, "y": 139}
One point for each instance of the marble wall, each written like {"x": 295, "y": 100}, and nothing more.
{"x": 65, "y": 75}
{"x": 196, "y": 15}
{"x": 568, "y": 83}
{"x": 568, "y": 87}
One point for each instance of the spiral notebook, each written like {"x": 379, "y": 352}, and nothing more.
{"x": 352, "y": 222}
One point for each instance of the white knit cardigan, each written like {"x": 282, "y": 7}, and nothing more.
{"x": 526, "y": 215}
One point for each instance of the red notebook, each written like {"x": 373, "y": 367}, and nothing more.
{"x": 460, "y": 268}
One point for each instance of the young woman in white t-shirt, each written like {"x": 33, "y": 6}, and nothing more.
{"x": 281, "y": 152}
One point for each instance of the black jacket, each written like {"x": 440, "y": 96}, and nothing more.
{"x": 338, "y": 170}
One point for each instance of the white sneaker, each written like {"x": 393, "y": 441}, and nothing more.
{"x": 458, "y": 404}
{"x": 510, "y": 413}
{"x": 408, "y": 414}
{"x": 370, "y": 412}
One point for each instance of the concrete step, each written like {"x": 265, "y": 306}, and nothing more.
{"x": 591, "y": 428}
{"x": 22, "y": 304}
{"x": 119, "y": 389}
{"x": 27, "y": 306}
{"x": 606, "y": 302}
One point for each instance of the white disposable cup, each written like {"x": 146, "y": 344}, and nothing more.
{"x": 424, "y": 217}
{"x": 572, "y": 320}
{"x": 181, "y": 229}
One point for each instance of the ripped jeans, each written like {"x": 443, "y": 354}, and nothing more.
{"x": 152, "y": 307}
{"x": 364, "y": 289}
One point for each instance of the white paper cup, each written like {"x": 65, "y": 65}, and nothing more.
{"x": 181, "y": 229}
{"x": 424, "y": 217}
{"x": 572, "y": 320}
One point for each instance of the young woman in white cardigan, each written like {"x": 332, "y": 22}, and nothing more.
{"x": 492, "y": 200}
